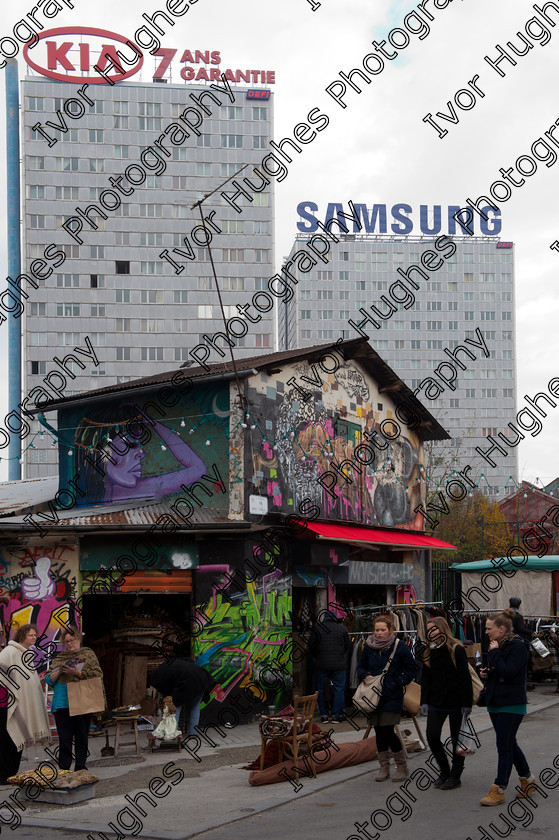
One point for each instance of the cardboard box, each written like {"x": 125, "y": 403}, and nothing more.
{"x": 471, "y": 650}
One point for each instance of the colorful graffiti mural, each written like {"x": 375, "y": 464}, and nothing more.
{"x": 40, "y": 585}
{"x": 118, "y": 451}
{"x": 305, "y": 439}
{"x": 243, "y": 638}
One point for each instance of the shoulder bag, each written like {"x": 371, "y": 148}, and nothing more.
{"x": 367, "y": 696}
{"x": 477, "y": 685}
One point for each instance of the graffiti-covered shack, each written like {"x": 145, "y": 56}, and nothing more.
{"x": 213, "y": 508}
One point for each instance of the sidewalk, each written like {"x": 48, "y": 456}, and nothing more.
{"x": 212, "y": 796}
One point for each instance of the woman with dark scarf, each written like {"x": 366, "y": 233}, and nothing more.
{"x": 446, "y": 691}
{"x": 505, "y": 678}
{"x": 75, "y": 663}
{"x": 375, "y": 655}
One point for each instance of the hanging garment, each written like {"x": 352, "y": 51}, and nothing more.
{"x": 354, "y": 661}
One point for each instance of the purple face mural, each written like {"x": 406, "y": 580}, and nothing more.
{"x": 123, "y": 472}
{"x": 110, "y": 450}
{"x": 128, "y": 467}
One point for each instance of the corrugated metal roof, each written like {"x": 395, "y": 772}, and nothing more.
{"x": 142, "y": 515}
{"x": 357, "y": 349}
{"x": 19, "y": 496}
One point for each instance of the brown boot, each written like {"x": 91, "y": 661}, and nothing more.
{"x": 496, "y": 796}
{"x": 401, "y": 773}
{"x": 528, "y": 786}
{"x": 384, "y": 772}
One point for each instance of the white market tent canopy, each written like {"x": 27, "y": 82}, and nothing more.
{"x": 488, "y": 584}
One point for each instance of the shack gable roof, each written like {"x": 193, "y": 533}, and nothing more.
{"x": 357, "y": 349}
{"x": 526, "y": 487}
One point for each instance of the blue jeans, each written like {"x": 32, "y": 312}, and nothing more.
{"x": 506, "y": 727}
{"x": 193, "y": 715}
{"x": 338, "y": 680}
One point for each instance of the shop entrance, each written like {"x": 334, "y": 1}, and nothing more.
{"x": 131, "y": 633}
{"x": 352, "y": 599}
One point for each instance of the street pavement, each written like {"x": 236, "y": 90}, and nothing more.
{"x": 345, "y": 804}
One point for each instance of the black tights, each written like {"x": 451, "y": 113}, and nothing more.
{"x": 435, "y": 721}
{"x": 387, "y": 739}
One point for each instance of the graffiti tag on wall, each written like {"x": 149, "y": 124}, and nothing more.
{"x": 244, "y": 641}
{"x": 41, "y": 585}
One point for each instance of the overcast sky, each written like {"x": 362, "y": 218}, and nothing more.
{"x": 378, "y": 150}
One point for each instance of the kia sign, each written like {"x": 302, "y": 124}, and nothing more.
{"x": 78, "y": 57}
{"x": 64, "y": 54}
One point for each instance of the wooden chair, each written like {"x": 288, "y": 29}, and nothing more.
{"x": 303, "y": 712}
{"x": 152, "y": 741}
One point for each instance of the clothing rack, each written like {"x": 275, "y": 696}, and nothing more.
{"x": 554, "y": 617}
{"x": 368, "y": 632}
{"x": 483, "y": 612}
{"x": 417, "y": 606}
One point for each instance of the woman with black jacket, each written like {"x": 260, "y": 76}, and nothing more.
{"x": 377, "y": 650}
{"x": 446, "y": 691}
{"x": 505, "y": 677}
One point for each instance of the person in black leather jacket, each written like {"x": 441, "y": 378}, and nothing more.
{"x": 505, "y": 676}
{"x": 329, "y": 644}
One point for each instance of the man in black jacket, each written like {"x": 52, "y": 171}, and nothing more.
{"x": 518, "y": 623}
{"x": 187, "y": 684}
{"x": 329, "y": 644}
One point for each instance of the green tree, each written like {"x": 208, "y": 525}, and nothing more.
{"x": 476, "y": 526}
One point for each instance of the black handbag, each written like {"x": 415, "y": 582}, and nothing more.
{"x": 482, "y": 699}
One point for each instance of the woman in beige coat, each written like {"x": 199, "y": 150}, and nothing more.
{"x": 23, "y": 713}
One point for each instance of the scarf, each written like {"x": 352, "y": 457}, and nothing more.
{"x": 373, "y": 642}
{"x": 507, "y": 638}
{"x": 91, "y": 667}
{"x": 27, "y": 714}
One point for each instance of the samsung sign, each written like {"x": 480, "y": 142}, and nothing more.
{"x": 400, "y": 219}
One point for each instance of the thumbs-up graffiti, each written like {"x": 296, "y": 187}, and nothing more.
{"x": 42, "y": 585}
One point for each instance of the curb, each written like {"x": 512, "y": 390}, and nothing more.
{"x": 343, "y": 774}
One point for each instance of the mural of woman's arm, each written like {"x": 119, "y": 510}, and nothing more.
{"x": 193, "y": 467}
{"x": 184, "y": 453}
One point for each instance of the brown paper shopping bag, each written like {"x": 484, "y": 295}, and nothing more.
{"x": 86, "y": 696}
{"x": 412, "y": 698}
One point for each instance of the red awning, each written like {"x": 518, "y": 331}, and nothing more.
{"x": 378, "y": 536}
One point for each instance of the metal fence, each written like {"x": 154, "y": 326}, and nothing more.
{"x": 443, "y": 581}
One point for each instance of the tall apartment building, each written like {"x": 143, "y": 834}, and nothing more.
{"x": 140, "y": 315}
{"x": 473, "y": 289}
